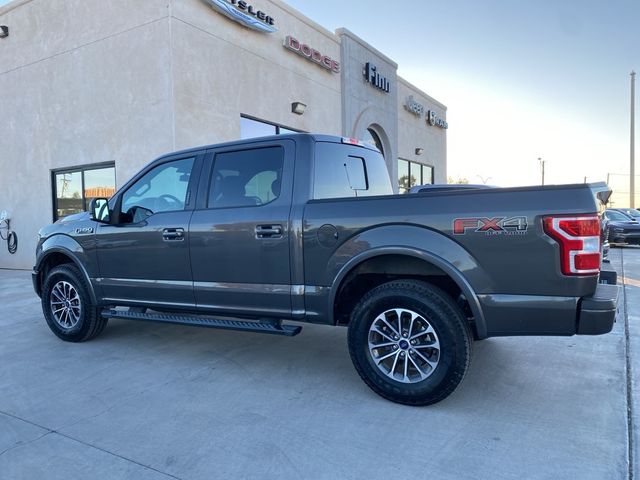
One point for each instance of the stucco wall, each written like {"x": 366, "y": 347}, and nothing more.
{"x": 222, "y": 70}
{"x": 415, "y": 132}
{"x": 40, "y": 29}
{"x": 86, "y": 83}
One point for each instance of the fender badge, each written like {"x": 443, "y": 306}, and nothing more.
{"x": 491, "y": 226}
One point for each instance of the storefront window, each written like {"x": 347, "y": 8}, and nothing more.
{"x": 99, "y": 183}
{"x": 74, "y": 188}
{"x": 252, "y": 128}
{"x": 427, "y": 175}
{"x": 68, "y": 194}
{"x": 403, "y": 176}
{"x": 411, "y": 174}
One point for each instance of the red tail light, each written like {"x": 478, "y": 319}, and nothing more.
{"x": 579, "y": 239}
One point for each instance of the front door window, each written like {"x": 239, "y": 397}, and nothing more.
{"x": 162, "y": 189}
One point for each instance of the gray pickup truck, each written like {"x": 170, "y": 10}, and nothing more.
{"x": 305, "y": 228}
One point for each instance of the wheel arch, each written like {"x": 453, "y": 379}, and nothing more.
{"x": 406, "y": 262}
{"x": 55, "y": 256}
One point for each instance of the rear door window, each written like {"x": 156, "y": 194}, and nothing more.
{"x": 246, "y": 178}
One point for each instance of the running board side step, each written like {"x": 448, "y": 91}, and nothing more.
{"x": 274, "y": 327}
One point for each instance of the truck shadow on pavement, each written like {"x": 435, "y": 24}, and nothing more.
{"x": 319, "y": 353}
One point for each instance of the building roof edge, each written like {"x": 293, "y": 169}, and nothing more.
{"x": 303, "y": 18}
{"x": 348, "y": 33}
{"x": 13, "y": 5}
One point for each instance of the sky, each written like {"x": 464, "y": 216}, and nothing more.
{"x": 522, "y": 80}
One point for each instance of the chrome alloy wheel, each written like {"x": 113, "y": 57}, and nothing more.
{"x": 404, "y": 346}
{"x": 65, "y": 304}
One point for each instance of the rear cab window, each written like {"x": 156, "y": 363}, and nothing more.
{"x": 343, "y": 171}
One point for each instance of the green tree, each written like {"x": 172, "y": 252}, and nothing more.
{"x": 406, "y": 183}
{"x": 460, "y": 180}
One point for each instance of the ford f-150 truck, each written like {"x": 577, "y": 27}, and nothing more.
{"x": 248, "y": 234}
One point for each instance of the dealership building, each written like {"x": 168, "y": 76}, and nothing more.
{"x": 92, "y": 90}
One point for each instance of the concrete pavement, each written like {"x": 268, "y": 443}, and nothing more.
{"x": 158, "y": 401}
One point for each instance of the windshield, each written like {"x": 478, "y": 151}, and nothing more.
{"x": 618, "y": 216}
{"x": 632, "y": 213}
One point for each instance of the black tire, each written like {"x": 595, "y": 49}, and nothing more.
{"x": 89, "y": 323}
{"x": 451, "y": 330}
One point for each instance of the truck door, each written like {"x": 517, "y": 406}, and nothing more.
{"x": 240, "y": 233}
{"x": 144, "y": 258}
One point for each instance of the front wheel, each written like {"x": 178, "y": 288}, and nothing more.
{"x": 410, "y": 342}
{"x": 67, "y": 307}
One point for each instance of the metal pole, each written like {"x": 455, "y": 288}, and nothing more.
{"x": 632, "y": 197}
{"x": 542, "y": 165}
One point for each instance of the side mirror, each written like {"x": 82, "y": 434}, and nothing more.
{"x": 99, "y": 210}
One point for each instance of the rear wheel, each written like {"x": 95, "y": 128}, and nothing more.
{"x": 410, "y": 342}
{"x": 67, "y": 307}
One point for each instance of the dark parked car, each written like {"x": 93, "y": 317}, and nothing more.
{"x": 604, "y": 238}
{"x": 629, "y": 212}
{"x": 622, "y": 228}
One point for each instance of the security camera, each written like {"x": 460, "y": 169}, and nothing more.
{"x": 4, "y": 31}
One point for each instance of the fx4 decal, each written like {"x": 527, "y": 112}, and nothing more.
{"x": 491, "y": 226}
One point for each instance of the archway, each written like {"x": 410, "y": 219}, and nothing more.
{"x": 371, "y": 137}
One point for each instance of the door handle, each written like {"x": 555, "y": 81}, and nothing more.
{"x": 269, "y": 231}
{"x": 173, "y": 234}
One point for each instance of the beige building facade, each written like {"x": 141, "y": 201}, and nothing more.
{"x": 91, "y": 91}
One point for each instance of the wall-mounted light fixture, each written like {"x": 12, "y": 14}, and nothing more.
{"x": 419, "y": 151}
{"x": 4, "y": 31}
{"x": 298, "y": 108}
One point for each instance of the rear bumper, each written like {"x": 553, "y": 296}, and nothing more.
{"x": 522, "y": 315}
{"x": 597, "y": 314}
